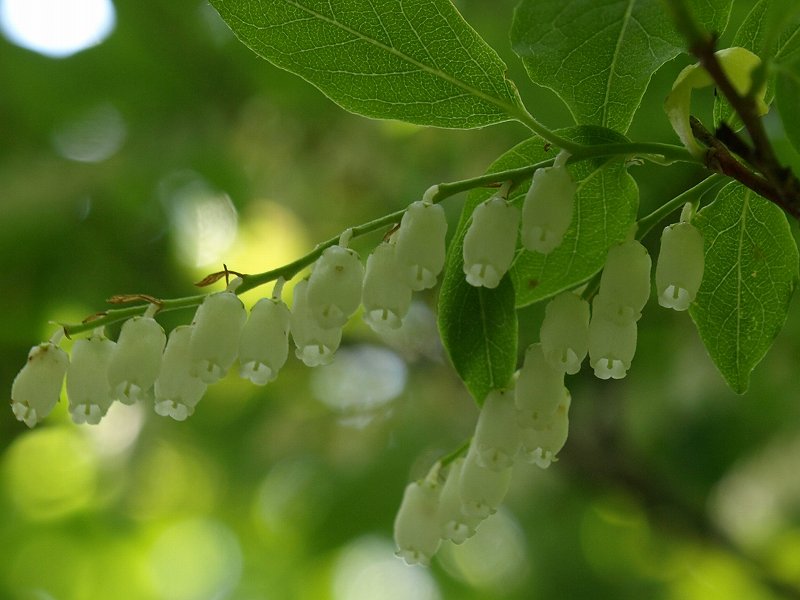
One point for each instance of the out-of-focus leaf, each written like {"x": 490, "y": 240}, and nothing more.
{"x": 750, "y": 273}
{"x": 412, "y": 60}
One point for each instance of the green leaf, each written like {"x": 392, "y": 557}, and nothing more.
{"x": 757, "y": 34}
{"x": 599, "y": 55}
{"x": 478, "y": 328}
{"x": 412, "y": 60}
{"x": 787, "y": 93}
{"x": 751, "y": 271}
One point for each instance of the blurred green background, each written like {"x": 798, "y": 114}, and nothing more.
{"x": 142, "y": 163}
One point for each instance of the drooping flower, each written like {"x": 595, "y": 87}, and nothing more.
{"x": 216, "y": 328}
{"x": 136, "y": 359}
{"x": 625, "y": 281}
{"x": 496, "y": 439}
{"x": 490, "y": 242}
{"x": 539, "y": 388}
{"x": 454, "y": 524}
{"x": 314, "y": 345}
{"x": 177, "y": 389}
{"x": 542, "y": 444}
{"x": 334, "y": 287}
{"x": 37, "y": 387}
{"x": 481, "y": 490}
{"x": 612, "y": 342}
{"x": 264, "y": 343}
{"x": 565, "y": 332}
{"x": 680, "y": 266}
{"x": 421, "y": 244}
{"x": 88, "y": 390}
{"x": 548, "y": 207}
{"x": 386, "y": 295}
{"x": 416, "y": 527}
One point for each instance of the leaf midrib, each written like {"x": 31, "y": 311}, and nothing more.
{"x": 509, "y": 109}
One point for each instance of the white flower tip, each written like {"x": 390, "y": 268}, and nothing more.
{"x": 674, "y": 297}
{"x": 542, "y": 239}
{"x": 382, "y": 320}
{"x": 481, "y": 275}
{"x": 609, "y": 368}
{"x": 493, "y": 459}
{"x": 566, "y": 360}
{"x": 413, "y": 557}
{"x": 420, "y": 278}
{"x": 171, "y": 408}
{"x": 315, "y": 355}
{"x": 130, "y": 393}
{"x": 25, "y": 414}
{"x": 89, "y": 414}
{"x": 257, "y": 372}
{"x": 457, "y": 532}
{"x": 541, "y": 458}
{"x": 207, "y": 371}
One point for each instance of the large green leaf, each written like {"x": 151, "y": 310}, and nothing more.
{"x": 478, "y": 328}
{"x": 750, "y": 274}
{"x": 787, "y": 97}
{"x": 599, "y": 55}
{"x": 411, "y": 60}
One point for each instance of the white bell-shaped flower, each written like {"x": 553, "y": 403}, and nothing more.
{"x": 421, "y": 244}
{"x": 625, "y": 281}
{"x": 547, "y": 209}
{"x": 264, "y": 343}
{"x": 216, "y": 328}
{"x": 416, "y": 527}
{"x": 386, "y": 294}
{"x": 481, "y": 490}
{"x": 540, "y": 446}
{"x": 454, "y": 525}
{"x": 177, "y": 390}
{"x": 136, "y": 359}
{"x": 314, "y": 345}
{"x": 680, "y": 265}
{"x": 539, "y": 388}
{"x": 334, "y": 287}
{"x": 490, "y": 242}
{"x": 37, "y": 386}
{"x": 612, "y": 342}
{"x": 565, "y": 332}
{"x": 496, "y": 439}
{"x": 88, "y": 390}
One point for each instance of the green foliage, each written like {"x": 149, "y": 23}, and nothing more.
{"x": 750, "y": 274}
{"x": 416, "y": 61}
{"x": 599, "y": 56}
{"x": 787, "y": 93}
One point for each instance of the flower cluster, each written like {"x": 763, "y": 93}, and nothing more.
{"x": 173, "y": 373}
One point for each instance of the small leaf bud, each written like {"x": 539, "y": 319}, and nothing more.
{"x": 421, "y": 244}
{"x": 547, "y": 209}
{"x": 177, "y": 390}
{"x": 37, "y": 387}
{"x": 565, "y": 332}
{"x": 314, "y": 345}
{"x": 416, "y": 527}
{"x": 496, "y": 438}
{"x": 386, "y": 294}
{"x": 216, "y": 328}
{"x": 88, "y": 389}
{"x": 680, "y": 265}
{"x": 264, "y": 344}
{"x": 334, "y": 287}
{"x": 490, "y": 242}
{"x": 136, "y": 359}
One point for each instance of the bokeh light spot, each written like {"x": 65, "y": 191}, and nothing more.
{"x": 57, "y": 28}
{"x": 367, "y": 569}
{"x": 196, "y": 558}
{"x": 91, "y": 137}
{"x": 50, "y": 473}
